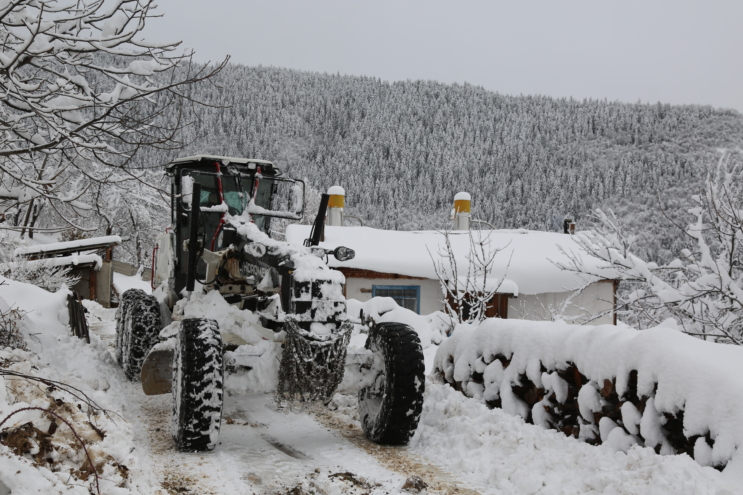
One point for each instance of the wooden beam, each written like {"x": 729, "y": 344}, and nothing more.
{"x": 92, "y": 282}
{"x": 370, "y": 274}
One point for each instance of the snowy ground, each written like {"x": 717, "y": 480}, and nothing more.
{"x": 460, "y": 446}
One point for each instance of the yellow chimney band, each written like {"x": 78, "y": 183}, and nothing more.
{"x": 462, "y": 205}
{"x": 336, "y": 201}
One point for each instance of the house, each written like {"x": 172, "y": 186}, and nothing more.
{"x": 400, "y": 264}
{"x": 90, "y": 259}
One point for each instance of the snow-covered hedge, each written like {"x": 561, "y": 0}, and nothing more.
{"x": 656, "y": 388}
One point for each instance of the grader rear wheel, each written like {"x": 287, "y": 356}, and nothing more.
{"x": 121, "y": 314}
{"x": 137, "y": 328}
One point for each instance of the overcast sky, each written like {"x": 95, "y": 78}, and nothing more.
{"x": 674, "y": 51}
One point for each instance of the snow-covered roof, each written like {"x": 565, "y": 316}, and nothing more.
{"x": 524, "y": 261}
{"x": 223, "y": 159}
{"x": 61, "y": 247}
{"x": 73, "y": 260}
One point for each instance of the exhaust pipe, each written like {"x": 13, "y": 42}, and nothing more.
{"x": 316, "y": 234}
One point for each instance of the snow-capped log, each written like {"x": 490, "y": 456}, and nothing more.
{"x": 656, "y": 388}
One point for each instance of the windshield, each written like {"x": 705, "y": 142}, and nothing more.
{"x": 234, "y": 195}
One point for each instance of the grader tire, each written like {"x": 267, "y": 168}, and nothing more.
{"x": 140, "y": 318}
{"x": 390, "y": 408}
{"x": 198, "y": 377}
{"x": 121, "y": 313}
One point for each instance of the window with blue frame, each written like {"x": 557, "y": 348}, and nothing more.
{"x": 406, "y": 296}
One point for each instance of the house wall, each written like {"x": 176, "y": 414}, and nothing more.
{"x": 430, "y": 290}
{"x": 596, "y": 298}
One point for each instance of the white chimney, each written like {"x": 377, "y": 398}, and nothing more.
{"x": 335, "y": 206}
{"x": 462, "y": 202}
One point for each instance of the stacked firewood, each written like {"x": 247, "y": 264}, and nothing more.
{"x": 584, "y": 409}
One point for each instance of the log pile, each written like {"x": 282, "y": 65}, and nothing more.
{"x": 567, "y": 401}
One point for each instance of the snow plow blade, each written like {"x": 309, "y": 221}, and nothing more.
{"x": 157, "y": 372}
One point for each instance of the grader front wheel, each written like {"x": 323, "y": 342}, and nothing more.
{"x": 391, "y": 406}
{"x": 198, "y": 378}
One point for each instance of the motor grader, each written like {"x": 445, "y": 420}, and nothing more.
{"x": 220, "y": 241}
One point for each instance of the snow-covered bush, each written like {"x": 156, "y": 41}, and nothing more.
{"x": 10, "y": 333}
{"x": 41, "y": 273}
{"x": 656, "y": 388}
{"x": 468, "y": 290}
{"x": 703, "y": 288}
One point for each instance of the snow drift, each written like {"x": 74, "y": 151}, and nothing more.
{"x": 39, "y": 453}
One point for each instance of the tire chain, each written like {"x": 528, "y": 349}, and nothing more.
{"x": 141, "y": 327}
{"x": 311, "y": 366}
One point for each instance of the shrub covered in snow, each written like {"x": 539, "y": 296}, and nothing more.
{"x": 10, "y": 327}
{"x": 656, "y": 388}
{"x": 44, "y": 273}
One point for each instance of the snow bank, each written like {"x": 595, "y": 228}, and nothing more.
{"x": 498, "y": 454}
{"x": 658, "y": 387}
{"x": 46, "y": 313}
{"x": 57, "y": 355}
{"x": 123, "y": 283}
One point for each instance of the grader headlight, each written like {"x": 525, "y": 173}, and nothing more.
{"x": 343, "y": 253}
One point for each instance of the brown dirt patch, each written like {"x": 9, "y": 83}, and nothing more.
{"x": 395, "y": 459}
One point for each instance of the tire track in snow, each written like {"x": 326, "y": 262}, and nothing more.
{"x": 395, "y": 459}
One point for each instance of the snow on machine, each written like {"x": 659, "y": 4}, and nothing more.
{"x": 219, "y": 242}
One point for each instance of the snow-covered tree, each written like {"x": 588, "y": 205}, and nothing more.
{"x": 703, "y": 288}
{"x": 467, "y": 283}
{"x": 82, "y": 92}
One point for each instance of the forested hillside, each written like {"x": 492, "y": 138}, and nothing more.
{"x": 402, "y": 150}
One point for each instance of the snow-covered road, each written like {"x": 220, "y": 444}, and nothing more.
{"x": 265, "y": 450}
